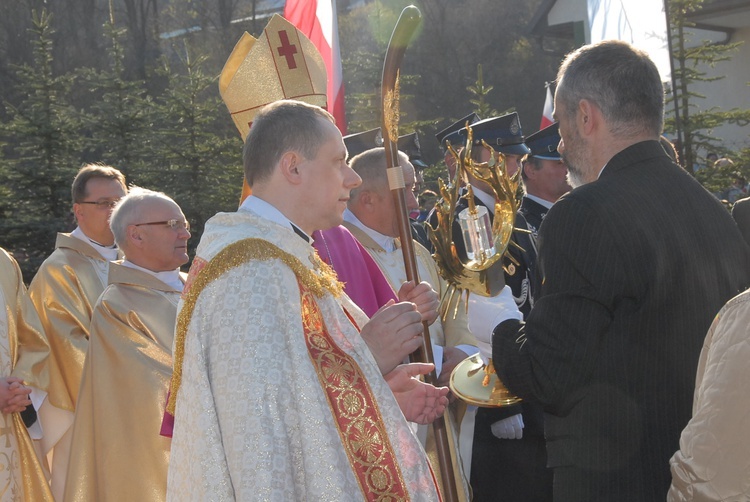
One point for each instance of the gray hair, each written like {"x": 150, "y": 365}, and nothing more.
{"x": 621, "y": 80}
{"x": 280, "y": 127}
{"x": 130, "y": 209}
{"x": 371, "y": 167}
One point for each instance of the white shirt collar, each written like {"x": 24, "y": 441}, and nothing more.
{"x": 539, "y": 200}
{"x": 109, "y": 253}
{"x": 384, "y": 241}
{"x": 267, "y": 211}
{"x": 487, "y": 199}
{"x": 168, "y": 277}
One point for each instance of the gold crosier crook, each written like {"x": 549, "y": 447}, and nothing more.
{"x": 471, "y": 380}
{"x": 403, "y": 33}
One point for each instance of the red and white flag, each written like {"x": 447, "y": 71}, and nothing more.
{"x": 549, "y": 106}
{"x": 317, "y": 19}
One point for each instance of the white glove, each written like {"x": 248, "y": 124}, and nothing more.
{"x": 508, "y": 428}
{"x": 487, "y": 312}
{"x": 485, "y": 351}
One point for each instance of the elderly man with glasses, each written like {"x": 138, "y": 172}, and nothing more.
{"x": 64, "y": 292}
{"x": 129, "y": 360}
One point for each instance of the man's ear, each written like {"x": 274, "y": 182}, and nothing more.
{"x": 528, "y": 170}
{"x": 77, "y": 210}
{"x": 134, "y": 236}
{"x": 289, "y": 164}
{"x": 588, "y": 116}
{"x": 366, "y": 199}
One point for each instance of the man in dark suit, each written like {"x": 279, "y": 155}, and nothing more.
{"x": 636, "y": 262}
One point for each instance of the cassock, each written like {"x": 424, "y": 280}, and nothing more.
{"x": 363, "y": 281}
{"x": 64, "y": 292}
{"x": 452, "y": 332}
{"x": 22, "y": 473}
{"x": 277, "y": 396}
{"x": 116, "y": 447}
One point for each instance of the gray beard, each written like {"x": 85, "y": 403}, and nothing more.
{"x": 574, "y": 178}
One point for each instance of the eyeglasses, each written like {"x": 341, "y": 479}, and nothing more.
{"x": 173, "y": 224}
{"x": 101, "y": 204}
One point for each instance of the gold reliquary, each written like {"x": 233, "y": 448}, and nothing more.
{"x": 480, "y": 269}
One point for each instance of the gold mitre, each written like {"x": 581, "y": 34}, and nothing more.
{"x": 282, "y": 64}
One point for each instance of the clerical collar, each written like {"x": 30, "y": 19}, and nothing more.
{"x": 539, "y": 200}
{"x": 487, "y": 199}
{"x": 109, "y": 253}
{"x": 168, "y": 277}
{"x": 269, "y": 212}
{"x": 386, "y": 242}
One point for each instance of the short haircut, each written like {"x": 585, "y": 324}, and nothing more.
{"x": 278, "y": 128}
{"x": 371, "y": 167}
{"x": 89, "y": 171}
{"x": 621, "y": 80}
{"x": 130, "y": 209}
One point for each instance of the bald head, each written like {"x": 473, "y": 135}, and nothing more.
{"x": 151, "y": 230}
{"x": 372, "y": 202}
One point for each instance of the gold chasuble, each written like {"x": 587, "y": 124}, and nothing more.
{"x": 277, "y": 395}
{"x": 117, "y": 452}
{"x": 451, "y": 332}
{"x": 64, "y": 292}
{"x": 22, "y": 475}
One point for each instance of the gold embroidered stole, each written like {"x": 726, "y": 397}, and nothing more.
{"x": 354, "y": 409}
{"x": 321, "y": 280}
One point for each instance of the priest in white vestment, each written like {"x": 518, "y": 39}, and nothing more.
{"x": 117, "y": 448}
{"x": 276, "y": 394}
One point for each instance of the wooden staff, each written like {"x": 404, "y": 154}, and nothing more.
{"x": 406, "y": 26}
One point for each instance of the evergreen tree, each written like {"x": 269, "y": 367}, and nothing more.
{"x": 41, "y": 156}
{"x": 480, "y": 93}
{"x": 197, "y": 154}
{"x": 690, "y": 61}
{"x": 119, "y": 117}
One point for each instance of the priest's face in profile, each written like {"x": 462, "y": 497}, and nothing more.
{"x": 164, "y": 237}
{"x": 328, "y": 180}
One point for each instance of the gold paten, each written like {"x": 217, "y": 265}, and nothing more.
{"x": 468, "y": 384}
{"x": 471, "y": 380}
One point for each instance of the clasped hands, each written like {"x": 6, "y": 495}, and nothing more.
{"x": 394, "y": 332}
{"x": 14, "y": 395}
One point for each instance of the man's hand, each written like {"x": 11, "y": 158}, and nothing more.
{"x": 451, "y": 357}
{"x": 508, "y": 428}
{"x": 419, "y": 402}
{"x": 394, "y": 332}
{"x": 425, "y": 298}
{"x": 14, "y": 396}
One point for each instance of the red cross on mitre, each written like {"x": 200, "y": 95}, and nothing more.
{"x": 287, "y": 50}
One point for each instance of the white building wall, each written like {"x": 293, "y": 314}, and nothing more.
{"x": 730, "y": 92}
